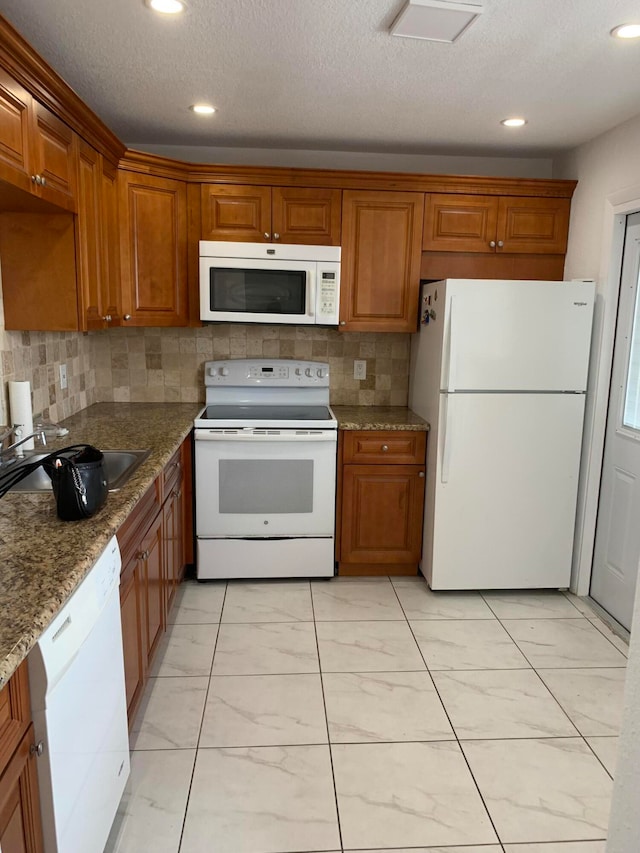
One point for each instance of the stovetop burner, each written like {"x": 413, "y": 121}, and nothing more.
{"x": 266, "y": 413}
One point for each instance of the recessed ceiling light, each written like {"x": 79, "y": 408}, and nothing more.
{"x": 434, "y": 20}
{"x": 626, "y": 31}
{"x": 513, "y": 122}
{"x": 166, "y": 7}
{"x": 203, "y": 109}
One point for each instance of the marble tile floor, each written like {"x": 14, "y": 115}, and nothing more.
{"x": 374, "y": 715}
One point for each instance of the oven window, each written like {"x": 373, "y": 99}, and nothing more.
{"x": 266, "y": 486}
{"x": 258, "y": 291}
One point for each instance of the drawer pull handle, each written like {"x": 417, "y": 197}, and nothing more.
{"x": 142, "y": 555}
{"x": 385, "y": 447}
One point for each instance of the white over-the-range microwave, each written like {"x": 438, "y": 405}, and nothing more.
{"x": 269, "y": 283}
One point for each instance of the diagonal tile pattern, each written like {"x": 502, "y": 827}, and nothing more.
{"x": 374, "y": 715}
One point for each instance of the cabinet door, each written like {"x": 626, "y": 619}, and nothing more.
{"x": 153, "y": 250}
{"x": 381, "y": 249}
{"x": 173, "y": 543}
{"x": 15, "y": 133}
{"x": 152, "y": 561}
{"x": 301, "y": 215}
{"x": 382, "y": 508}
{"x": 236, "y": 212}
{"x": 533, "y": 225}
{"x": 89, "y": 238}
{"x": 110, "y": 255}
{"x": 20, "y": 827}
{"x": 460, "y": 223}
{"x": 132, "y": 613}
{"x": 55, "y": 153}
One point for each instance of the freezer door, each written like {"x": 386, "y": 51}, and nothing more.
{"x": 516, "y": 335}
{"x": 503, "y": 479}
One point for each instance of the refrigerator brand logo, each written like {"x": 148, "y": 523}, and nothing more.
{"x": 581, "y": 304}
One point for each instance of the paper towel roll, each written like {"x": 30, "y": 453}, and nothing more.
{"x": 21, "y": 412}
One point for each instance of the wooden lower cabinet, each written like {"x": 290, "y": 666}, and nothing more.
{"x": 152, "y": 541}
{"x": 20, "y": 827}
{"x": 381, "y": 500}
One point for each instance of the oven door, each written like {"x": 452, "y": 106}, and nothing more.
{"x": 265, "y": 483}
{"x": 257, "y": 290}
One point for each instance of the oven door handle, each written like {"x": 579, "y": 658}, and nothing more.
{"x": 208, "y": 435}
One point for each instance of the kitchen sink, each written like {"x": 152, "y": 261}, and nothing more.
{"x": 119, "y": 465}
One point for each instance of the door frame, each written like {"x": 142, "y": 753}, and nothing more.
{"x": 617, "y": 206}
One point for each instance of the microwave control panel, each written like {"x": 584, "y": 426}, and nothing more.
{"x": 328, "y": 301}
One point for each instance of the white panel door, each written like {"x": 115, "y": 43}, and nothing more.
{"x": 617, "y": 545}
{"x": 505, "y": 491}
{"x": 516, "y": 335}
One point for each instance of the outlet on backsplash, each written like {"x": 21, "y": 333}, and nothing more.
{"x": 359, "y": 368}
{"x": 63, "y": 376}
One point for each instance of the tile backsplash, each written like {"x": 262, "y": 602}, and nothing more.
{"x": 167, "y": 365}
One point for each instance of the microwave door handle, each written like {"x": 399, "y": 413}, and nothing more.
{"x": 311, "y": 303}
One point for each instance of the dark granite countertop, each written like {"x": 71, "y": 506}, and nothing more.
{"x": 43, "y": 559}
{"x": 379, "y": 417}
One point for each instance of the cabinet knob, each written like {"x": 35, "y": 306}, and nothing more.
{"x": 33, "y": 179}
{"x": 107, "y": 318}
{"x": 385, "y": 447}
{"x": 343, "y": 322}
{"x": 492, "y": 244}
{"x": 142, "y": 555}
{"x": 421, "y": 474}
{"x": 267, "y": 236}
{"x": 177, "y": 493}
{"x": 276, "y": 236}
{"x": 500, "y": 244}
{"x": 36, "y": 748}
{"x": 43, "y": 181}
{"x": 127, "y": 317}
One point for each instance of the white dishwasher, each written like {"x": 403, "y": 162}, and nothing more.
{"x": 76, "y": 675}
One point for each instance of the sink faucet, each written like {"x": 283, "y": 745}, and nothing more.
{"x": 15, "y": 451}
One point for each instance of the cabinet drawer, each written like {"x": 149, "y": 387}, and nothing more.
{"x": 139, "y": 521}
{"x": 384, "y": 448}
{"x": 172, "y": 474}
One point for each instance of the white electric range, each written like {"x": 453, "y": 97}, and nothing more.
{"x": 265, "y": 470}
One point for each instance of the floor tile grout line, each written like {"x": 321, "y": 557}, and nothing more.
{"x": 606, "y": 769}
{"x": 326, "y": 719}
{"x": 204, "y": 709}
{"x": 457, "y": 739}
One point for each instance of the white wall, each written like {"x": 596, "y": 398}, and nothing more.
{"x": 504, "y": 167}
{"x": 608, "y": 173}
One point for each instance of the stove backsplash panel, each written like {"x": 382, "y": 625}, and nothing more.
{"x": 167, "y": 365}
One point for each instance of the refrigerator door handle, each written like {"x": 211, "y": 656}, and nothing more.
{"x": 451, "y": 360}
{"x": 447, "y": 436}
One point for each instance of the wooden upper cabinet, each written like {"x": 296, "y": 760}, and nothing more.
{"x": 236, "y": 212}
{"x": 37, "y": 151}
{"x": 380, "y": 273}
{"x": 110, "y": 254}
{"x": 310, "y": 216}
{"x": 89, "y": 242}
{"x": 55, "y": 147}
{"x": 460, "y": 223}
{"x": 494, "y": 224}
{"x": 533, "y": 225}
{"x": 153, "y": 250}
{"x": 15, "y": 132}
{"x": 271, "y": 214}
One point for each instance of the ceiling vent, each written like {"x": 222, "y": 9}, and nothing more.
{"x": 434, "y": 20}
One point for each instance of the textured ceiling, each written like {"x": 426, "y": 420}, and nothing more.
{"x": 325, "y": 74}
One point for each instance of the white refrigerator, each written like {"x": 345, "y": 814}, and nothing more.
{"x": 499, "y": 369}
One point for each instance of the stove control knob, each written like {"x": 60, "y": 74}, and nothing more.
{"x": 321, "y": 373}
{"x": 309, "y": 372}
{"x": 298, "y": 371}
{"x": 224, "y": 371}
